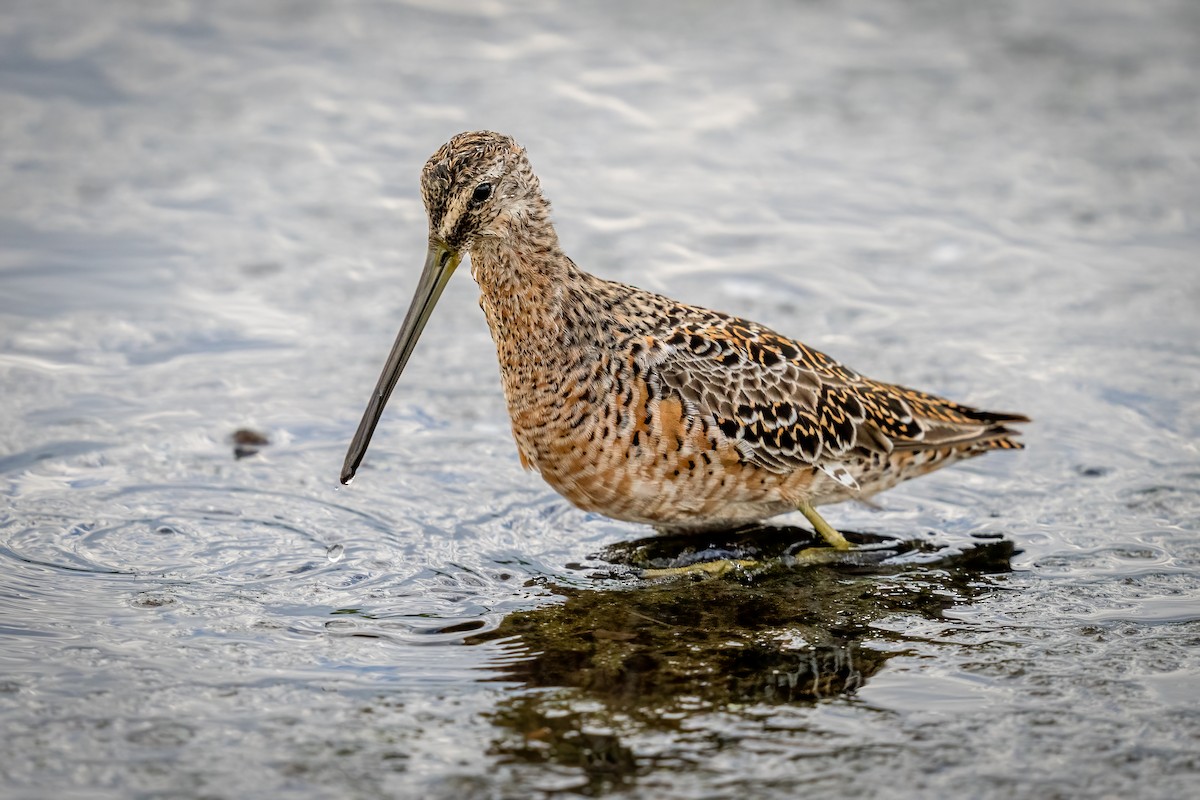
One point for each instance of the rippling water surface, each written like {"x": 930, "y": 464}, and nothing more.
{"x": 209, "y": 222}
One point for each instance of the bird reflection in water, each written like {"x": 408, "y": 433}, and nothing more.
{"x": 607, "y": 664}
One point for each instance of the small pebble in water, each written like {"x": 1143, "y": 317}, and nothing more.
{"x": 334, "y": 553}
{"x": 247, "y": 442}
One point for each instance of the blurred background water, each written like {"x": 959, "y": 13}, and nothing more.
{"x": 209, "y": 221}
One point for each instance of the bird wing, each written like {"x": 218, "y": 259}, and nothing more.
{"x": 786, "y": 406}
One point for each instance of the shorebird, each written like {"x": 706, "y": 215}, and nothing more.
{"x": 645, "y": 409}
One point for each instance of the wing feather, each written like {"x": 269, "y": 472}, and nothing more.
{"x": 786, "y": 406}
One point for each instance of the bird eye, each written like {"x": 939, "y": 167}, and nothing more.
{"x": 482, "y": 192}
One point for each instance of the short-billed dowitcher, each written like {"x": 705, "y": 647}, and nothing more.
{"x": 645, "y": 409}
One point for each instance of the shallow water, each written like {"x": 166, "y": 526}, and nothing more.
{"x": 209, "y": 221}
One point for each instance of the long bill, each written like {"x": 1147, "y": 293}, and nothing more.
{"x": 440, "y": 263}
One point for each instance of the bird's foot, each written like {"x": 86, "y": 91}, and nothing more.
{"x": 712, "y": 569}
{"x": 818, "y": 556}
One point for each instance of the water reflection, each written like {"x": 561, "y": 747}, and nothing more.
{"x": 641, "y": 656}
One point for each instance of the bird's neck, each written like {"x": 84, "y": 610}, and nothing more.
{"x": 521, "y": 279}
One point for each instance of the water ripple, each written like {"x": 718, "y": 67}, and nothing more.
{"x": 186, "y": 532}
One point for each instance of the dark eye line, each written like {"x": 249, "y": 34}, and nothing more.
{"x": 482, "y": 192}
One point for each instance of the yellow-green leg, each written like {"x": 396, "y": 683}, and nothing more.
{"x": 711, "y": 568}
{"x": 808, "y": 557}
{"x": 835, "y": 539}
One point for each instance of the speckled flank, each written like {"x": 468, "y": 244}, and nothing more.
{"x": 645, "y": 409}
